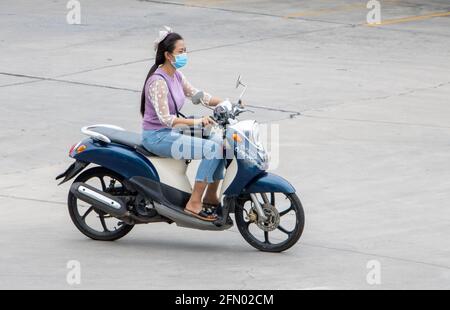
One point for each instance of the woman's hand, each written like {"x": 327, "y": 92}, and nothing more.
{"x": 205, "y": 121}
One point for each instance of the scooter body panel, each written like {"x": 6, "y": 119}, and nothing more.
{"x": 238, "y": 175}
{"x": 172, "y": 172}
{"x": 117, "y": 158}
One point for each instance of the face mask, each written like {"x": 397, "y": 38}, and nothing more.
{"x": 180, "y": 61}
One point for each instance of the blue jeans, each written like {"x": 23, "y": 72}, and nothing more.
{"x": 166, "y": 142}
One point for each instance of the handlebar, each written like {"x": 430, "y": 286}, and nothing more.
{"x": 223, "y": 111}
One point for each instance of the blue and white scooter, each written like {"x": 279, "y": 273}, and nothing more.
{"x": 129, "y": 185}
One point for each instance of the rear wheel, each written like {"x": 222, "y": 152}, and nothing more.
{"x": 284, "y": 224}
{"x": 92, "y": 222}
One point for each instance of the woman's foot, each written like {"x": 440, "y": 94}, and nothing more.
{"x": 210, "y": 205}
{"x": 211, "y": 200}
{"x": 210, "y": 208}
{"x": 196, "y": 209}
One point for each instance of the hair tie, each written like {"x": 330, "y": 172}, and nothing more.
{"x": 162, "y": 35}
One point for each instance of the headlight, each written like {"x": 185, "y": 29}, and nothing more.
{"x": 248, "y": 144}
{"x": 255, "y": 137}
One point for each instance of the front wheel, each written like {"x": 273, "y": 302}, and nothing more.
{"x": 284, "y": 224}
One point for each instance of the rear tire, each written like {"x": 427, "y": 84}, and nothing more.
{"x": 79, "y": 220}
{"x": 243, "y": 224}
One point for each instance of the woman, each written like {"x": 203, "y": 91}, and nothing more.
{"x": 164, "y": 92}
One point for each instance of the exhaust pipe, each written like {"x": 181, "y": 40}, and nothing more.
{"x": 184, "y": 220}
{"x": 100, "y": 200}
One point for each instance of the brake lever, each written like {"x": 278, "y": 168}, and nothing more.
{"x": 213, "y": 119}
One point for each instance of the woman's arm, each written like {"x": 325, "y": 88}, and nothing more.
{"x": 214, "y": 101}
{"x": 179, "y": 121}
{"x": 158, "y": 93}
{"x": 190, "y": 91}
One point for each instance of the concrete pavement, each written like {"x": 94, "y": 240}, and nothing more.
{"x": 364, "y": 137}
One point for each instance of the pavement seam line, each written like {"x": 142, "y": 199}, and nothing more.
{"x": 394, "y": 21}
{"x": 245, "y": 12}
{"x": 379, "y": 255}
{"x": 151, "y": 58}
{"x": 32, "y": 199}
{"x": 204, "y": 49}
{"x": 404, "y": 93}
{"x": 291, "y": 112}
{"x": 374, "y": 121}
{"x": 365, "y": 253}
{"x": 41, "y": 78}
{"x": 305, "y": 244}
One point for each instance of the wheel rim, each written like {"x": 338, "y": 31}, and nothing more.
{"x": 282, "y": 224}
{"x": 93, "y": 220}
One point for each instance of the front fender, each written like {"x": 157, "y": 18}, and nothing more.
{"x": 267, "y": 183}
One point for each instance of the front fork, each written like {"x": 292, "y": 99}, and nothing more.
{"x": 259, "y": 209}
{"x": 230, "y": 204}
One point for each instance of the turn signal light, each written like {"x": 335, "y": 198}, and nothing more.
{"x": 236, "y": 137}
{"x": 81, "y": 148}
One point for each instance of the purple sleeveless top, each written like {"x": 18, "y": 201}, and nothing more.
{"x": 151, "y": 120}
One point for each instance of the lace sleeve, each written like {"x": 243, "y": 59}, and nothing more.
{"x": 157, "y": 93}
{"x": 190, "y": 90}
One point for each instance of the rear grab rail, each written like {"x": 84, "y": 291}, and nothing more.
{"x": 88, "y": 130}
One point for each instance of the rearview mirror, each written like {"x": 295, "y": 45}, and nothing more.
{"x": 238, "y": 81}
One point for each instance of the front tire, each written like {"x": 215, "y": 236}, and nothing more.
{"x": 260, "y": 237}
{"x": 92, "y": 222}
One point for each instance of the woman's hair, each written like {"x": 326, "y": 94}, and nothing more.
{"x": 166, "y": 45}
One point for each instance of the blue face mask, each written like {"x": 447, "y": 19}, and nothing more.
{"x": 180, "y": 61}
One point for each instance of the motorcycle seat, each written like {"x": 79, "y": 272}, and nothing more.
{"x": 123, "y": 137}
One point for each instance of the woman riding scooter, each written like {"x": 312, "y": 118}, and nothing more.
{"x": 130, "y": 186}
{"x": 163, "y": 95}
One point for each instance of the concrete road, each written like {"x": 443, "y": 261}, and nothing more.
{"x": 364, "y": 120}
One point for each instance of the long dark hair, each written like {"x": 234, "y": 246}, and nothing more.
{"x": 166, "y": 45}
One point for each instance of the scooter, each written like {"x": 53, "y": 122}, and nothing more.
{"x": 129, "y": 185}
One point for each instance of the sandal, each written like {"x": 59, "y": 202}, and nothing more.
{"x": 210, "y": 208}
{"x": 202, "y": 215}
